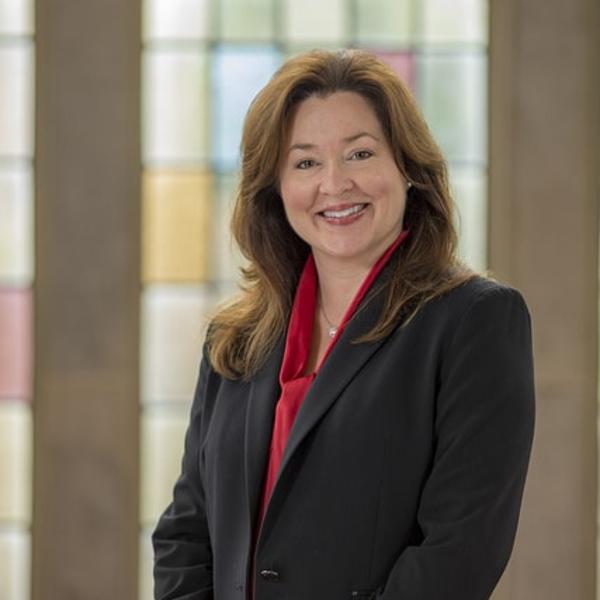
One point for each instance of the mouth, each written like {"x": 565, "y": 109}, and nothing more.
{"x": 344, "y": 213}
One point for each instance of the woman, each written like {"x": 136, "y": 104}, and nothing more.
{"x": 364, "y": 411}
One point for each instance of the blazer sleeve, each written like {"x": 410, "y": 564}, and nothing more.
{"x": 470, "y": 503}
{"x": 182, "y": 548}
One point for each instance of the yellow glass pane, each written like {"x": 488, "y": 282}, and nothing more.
{"x": 16, "y": 226}
{"x": 459, "y": 21}
{"x": 162, "y": 434}
{"x": 227, "y": 258}
{"x": 175, "y": 121}
{"x": 15, "y": 462}
{"x": 176, "y": 226}
{"x": 15, "y": 565}
{"x": 174, "y": 320}
{"x": 175, "y": 19}
{"x": 470, "y": 194}
{"x": 315, "y": 21}
{"x": 16, "y": 109}
{"x": 246, "y": 20}
{"x": 381, "y": 23}
{"x": 16, "y": 17}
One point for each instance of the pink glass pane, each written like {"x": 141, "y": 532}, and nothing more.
{"x": 403, "y": 64}
{"x": 15, "y": 344}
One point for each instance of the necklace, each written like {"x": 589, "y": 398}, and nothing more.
{"x": 332, "y": 328}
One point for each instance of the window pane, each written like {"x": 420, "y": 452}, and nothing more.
{"x": 226, "y": 257}
{"x": 14, "y": 565}
{"x": 163, "y": 430}
{"x": 466, "y": 21}
{"x": 469, "y": 188}
{"x": 452, "y": 91}
{"x": 16, "y": 17}
{"x": 403, "y": 64}
{"x": 174, "y": 115}
{"x": 315, "y": 21}
{"x": 146, "y": 558}
{"x": 176, "y": 226}
{"x": 175, "y": 19}
{"x": 239, "y": 73}
{"x": 384, "y": 23}
{"x": 246, "y": 19}
{"x": 15, "y": 462}
{"x": 15, "y": 344}
{"x": 16, "y": 113}
{"x": 173, "y": 326}
{"x": 16, "y": 226}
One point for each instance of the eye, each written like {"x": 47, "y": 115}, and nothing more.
{"x": 305, "y": 164}
{"x": 361, "y": 155}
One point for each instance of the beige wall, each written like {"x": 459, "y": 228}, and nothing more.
{"x": 545, "y": 82}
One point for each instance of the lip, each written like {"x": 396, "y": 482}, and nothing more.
{"x": 346, "y": 219}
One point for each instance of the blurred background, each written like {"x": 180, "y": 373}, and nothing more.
{"x": 119, "y": 134}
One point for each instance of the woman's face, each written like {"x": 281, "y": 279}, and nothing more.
{"x": 342, "y": 191}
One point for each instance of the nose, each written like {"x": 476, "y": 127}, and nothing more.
{"x": 335, "y": 179}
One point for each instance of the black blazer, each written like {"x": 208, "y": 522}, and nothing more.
{"x": 402, "y": 478}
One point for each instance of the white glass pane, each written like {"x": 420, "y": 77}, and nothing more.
{"x": 174, "y": 107}
{"x": 175, "y": 19}
{"x": 469, "y": 189}
{"x": 384, "y": 23}
{"x": 16, "y": 110}
{"x": 162, "y": 436}
{"x": 146, "y": 582}
{"x": 459, "y": 21}
{"x": 246, "y": 19}
{"x": 173, "y": 325}
{"x": 14, "y": 565}
{"x": 15, "y": 462}
{"x": 239, "y": 73}
{"x": 16, "y": 226}
{"x": 453, "y": 95}
{"x": 227, "y": 258}
{"x": 16, "y": 17}
{"x": 315, "y": 21}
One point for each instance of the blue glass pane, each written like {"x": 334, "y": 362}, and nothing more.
{"x": 238, "y": 74}
{"x": 453, "y": 93}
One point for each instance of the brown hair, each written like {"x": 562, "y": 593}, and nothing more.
{"x": 425, "y": 265}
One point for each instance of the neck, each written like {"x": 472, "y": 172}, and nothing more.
{"x": 337, "y": 288}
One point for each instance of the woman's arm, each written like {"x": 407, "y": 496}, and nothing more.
{"x": 182, "y": 550}
{"x": 470, "y": 504}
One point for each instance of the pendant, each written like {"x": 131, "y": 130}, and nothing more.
{"x": 332, "y": 331}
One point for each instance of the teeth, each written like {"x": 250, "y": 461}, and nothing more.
{"x": 340, "y": 214}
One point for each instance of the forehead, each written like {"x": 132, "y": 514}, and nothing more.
{"x": 340, "y": 112}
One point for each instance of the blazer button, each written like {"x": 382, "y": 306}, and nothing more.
{"x": 269, "y": 575}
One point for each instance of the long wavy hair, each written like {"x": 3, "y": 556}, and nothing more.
{"x": 426, "y": 265}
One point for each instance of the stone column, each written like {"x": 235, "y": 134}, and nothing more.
{"x": 85, "y": 528}
{"x": 544, "y": 189}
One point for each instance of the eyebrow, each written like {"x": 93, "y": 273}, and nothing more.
{"x": 346, "y": 140}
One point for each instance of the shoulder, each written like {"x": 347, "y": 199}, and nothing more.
{"x": 471, "y": 308}
{"x": 475, "y": 292}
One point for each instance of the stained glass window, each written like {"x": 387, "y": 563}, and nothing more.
{"x": 203, "y": 61}
{"x": 16, "y": 279}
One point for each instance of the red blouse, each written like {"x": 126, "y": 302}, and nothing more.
{"x": 294, "y": 385}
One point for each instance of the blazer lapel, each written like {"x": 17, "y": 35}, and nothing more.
{"x": 342, "y": 365}
{"x": 260, "y": 413}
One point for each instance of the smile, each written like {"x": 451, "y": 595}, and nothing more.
{"x": 344, "y": 213}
